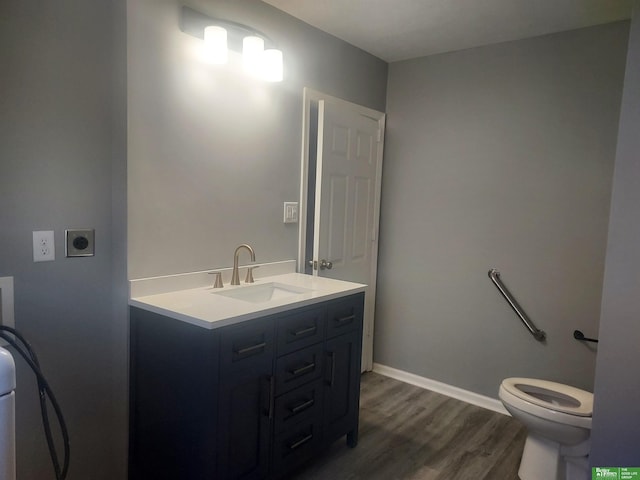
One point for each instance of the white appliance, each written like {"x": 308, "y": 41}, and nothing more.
{"x": 7, "y": 416}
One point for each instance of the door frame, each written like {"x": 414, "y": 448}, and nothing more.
{"x": 309, "y": 96}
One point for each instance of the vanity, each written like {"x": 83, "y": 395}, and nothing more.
{"x": 245, "y": 382}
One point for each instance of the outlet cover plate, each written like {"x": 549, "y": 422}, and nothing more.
{"x": 80, "y": 242}
{"x": 44, "y": 248}
{"x": 290, "y": 212}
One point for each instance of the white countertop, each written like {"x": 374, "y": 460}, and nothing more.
{"x": 205, "y": 308}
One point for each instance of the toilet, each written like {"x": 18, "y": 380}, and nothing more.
{"x": 558, "y": 420}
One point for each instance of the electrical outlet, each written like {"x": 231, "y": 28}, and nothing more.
{"x": 80, "y": 242}
{"x": 43, "y": 246}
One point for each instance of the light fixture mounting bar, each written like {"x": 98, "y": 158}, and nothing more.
{"x": 193, "y": 23}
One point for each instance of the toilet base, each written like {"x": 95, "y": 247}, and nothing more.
{"x": 542, "y": 459}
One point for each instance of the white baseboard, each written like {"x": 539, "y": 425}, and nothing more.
{"x": 443, "y": 388}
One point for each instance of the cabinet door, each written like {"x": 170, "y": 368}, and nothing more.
{"x": 342, "y": 387}
{"x": 245, "y": 417}
{"x": 246, "y": 400}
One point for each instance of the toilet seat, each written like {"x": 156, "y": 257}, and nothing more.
{"x": 551, "y": 395}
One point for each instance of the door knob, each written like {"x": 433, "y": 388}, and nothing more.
{"x": 325, "y": 264}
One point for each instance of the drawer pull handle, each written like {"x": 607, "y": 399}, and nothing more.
{"x": 305, "y": 369}
{"x": 257, "y": 346}
{"x": 269, "y": 388}
{"x": 348, "y": 318}
{"x": 272, "y": 391}
{"x": 302, "y": 406}
{"x": 332, "y": 376}
{"x": 304, "y": 330}
{"x": 300, "y": 442}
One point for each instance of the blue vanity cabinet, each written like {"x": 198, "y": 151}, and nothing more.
{"x": 253, "y": 400}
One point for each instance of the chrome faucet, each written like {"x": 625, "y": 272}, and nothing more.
{"x": 235, "y": 276}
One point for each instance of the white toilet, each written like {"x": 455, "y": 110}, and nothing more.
{"x": 558, "y": 419}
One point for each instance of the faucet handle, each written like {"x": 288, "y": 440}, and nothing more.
{"x": 249, "y": 277}
{"x": 218, "y": 281}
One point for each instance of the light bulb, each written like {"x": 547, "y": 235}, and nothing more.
{"x": 215, "y": 41}
{"x": 252, "y": 52}
{"x": 272, "y": 69}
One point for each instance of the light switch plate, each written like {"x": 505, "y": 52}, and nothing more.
{"x": 80, "y": 242}
{"x": 290, "y": 212}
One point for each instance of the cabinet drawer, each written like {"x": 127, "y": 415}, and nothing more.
{"x": 298, "y": 368}
{"x": 300, "y": 330}
{"x": 298, "y": 405}
{"x": 345, "y": 316}
{"x": 294, "y": 447}
{"x": 244, "y": 345}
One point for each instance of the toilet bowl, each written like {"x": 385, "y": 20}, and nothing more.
{"x": 558, "y": 421}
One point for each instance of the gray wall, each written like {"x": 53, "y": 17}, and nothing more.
{"x": 616, "y": 417}
{"x": 500, "y": 156}
{"x": 212, "y": 154}
{"x": 61, "y": 156}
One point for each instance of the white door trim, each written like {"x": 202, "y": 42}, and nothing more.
{"x": 310, "y": 95}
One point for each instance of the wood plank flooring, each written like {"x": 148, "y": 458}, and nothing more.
{"x": 408, "y": 433}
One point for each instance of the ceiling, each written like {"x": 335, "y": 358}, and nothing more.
{"x": 396, "y": 30}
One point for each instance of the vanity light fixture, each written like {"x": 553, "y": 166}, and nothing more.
{"x": 215, "y": 44}
{"x": 220, "y": 36}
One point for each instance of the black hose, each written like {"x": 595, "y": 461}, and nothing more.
{"x": 44, "y": 391}
{"x": 43, "y": 403}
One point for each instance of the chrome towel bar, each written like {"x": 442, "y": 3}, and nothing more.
{"x": 538, "y": 334}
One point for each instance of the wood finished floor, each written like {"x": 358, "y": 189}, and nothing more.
{"x": 408, "y": 433}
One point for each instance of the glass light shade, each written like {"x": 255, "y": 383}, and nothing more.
{"x": 215, "y": 42}
{"x": 272, "y": 69}
{"x": 252, "y": 52}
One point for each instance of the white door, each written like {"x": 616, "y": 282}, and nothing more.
{"x": 349, "y": 165}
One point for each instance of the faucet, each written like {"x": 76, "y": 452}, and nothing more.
{"x": 235, "y": 276}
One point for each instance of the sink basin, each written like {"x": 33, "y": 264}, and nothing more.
{"x": 262, "y": 293}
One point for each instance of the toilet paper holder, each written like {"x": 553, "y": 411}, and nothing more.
{"x": 578, "y": 335}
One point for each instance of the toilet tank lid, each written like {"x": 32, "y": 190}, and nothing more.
{"x": 520, "y": 387}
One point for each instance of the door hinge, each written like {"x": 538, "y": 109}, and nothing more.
{"x": 379, "y": 135}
